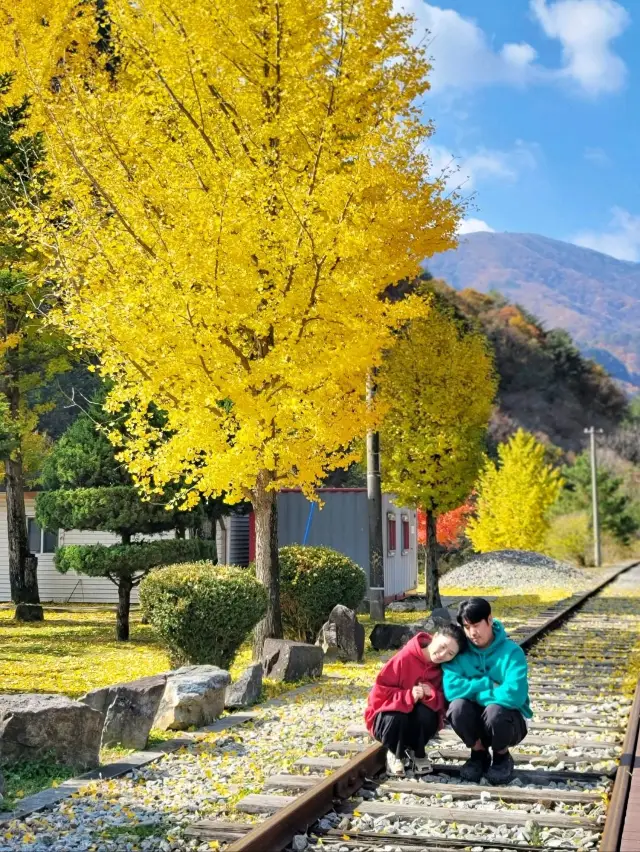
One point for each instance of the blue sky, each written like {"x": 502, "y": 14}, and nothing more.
{"x": 537, "y": 105}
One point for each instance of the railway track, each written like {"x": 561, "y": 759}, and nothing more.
{"x": 342, "y": 801}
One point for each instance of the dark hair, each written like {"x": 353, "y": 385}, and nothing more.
{"x": 473, "y": 611}
{"x": 453, "y": 631}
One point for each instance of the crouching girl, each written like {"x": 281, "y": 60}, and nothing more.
{"x": 406, "y": 706}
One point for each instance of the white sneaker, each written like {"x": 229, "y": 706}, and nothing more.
{"x": 394, "y": 765}
{"x": 421, "y": 765}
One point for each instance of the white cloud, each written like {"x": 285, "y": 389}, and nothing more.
{"x": 465, "y": 170}
{"x": 585, "y": 29}
{"x": 621, "y": 239}
{"x": 597, "y": 156}
{"x": 472, "y": 226}
{"x": 464, "y": 58}
{"x": 462, "y": 55}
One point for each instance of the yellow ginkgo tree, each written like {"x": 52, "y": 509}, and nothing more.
{"x": 438, "y": 385}
{"x": 241, "y": 180}
{"x": 515, "y": 497}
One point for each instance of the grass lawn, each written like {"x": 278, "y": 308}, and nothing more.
{"x": 74, "y": 650}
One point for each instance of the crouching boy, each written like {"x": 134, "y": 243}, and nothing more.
{"x": 488, "y": 692}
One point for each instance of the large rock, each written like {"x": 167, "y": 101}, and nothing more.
{"x": 392, "y": 636}
{"x": 193, "y": 696}
{"x": 34, "y": 726}
{"x": 246, "y": 690}
{"x": 342, "y": 636}
{"x": 441, "y": 616}
{"x": 129, "y": 710}
{"x": 289, "y": 661}
{"x": 403, "y": 606}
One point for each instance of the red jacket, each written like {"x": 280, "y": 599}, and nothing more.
{"x": 392, "y": 689}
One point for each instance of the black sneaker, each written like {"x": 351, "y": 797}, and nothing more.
{"x": 501, "y": 770}
{"x": 477, "y": 765}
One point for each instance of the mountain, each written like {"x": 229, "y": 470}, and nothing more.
{"x": 596, "y": 298}
{"x": 545, "y": 385}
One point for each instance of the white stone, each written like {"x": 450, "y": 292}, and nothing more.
{"x": 193, "y": 696}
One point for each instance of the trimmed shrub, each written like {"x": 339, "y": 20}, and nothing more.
{"x": 202, "y": 612}
{"x": 120, "y": 509}
{"x": 312, "y": 581}
{"x": 569, "y": 538}
{"x": 98, "y": 560}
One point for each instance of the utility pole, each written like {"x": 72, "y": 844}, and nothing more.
{"x": 374, "y": 504}
{"x": 597, "y": 551}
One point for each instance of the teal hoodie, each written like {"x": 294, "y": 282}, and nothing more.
{"x": 493, "y": 675}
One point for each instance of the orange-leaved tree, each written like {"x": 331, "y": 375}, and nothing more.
{"x": 450, "y": 526}
{"x": 241, "y": 180}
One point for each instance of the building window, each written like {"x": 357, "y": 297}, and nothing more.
{"x": 41, "y": 541}
{"x": 391, "y": 533}
{"x": 406, "y": 537}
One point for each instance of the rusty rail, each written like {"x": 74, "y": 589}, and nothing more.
{"x": 560, "y": 617}
{"x": 617, "y": 811}
{"x": 276, "y": 832}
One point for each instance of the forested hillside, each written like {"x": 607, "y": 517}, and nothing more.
{"x": 594, "y": 296}
{"x": 545, "y": 384}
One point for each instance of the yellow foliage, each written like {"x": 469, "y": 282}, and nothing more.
{"x": 437, "y": 384}
{"x": 74, "y": 651}
{"x": 569, "y": 538}
{"x": 514, "y": 497}
{"x": 241, "y": 182}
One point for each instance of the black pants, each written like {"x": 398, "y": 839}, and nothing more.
{"x": 496, "y": 727}
{"x": 401, "y": 731}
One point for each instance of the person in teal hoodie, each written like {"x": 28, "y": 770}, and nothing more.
{"x": 488, "y": 693}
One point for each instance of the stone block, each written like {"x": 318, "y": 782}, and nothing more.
{"x": 290, "y": 661}
{"x": 34, "y": 726}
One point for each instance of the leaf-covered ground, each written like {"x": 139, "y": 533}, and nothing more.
{"x": 74, "y": 650}
{"x": 150, "y": 809}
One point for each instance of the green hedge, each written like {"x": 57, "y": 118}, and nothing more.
{"x": 118, "y": 509}
{"x": 131, "y": 560}
{"x": 312, "y": 581}
{"x": 203, "y": 612}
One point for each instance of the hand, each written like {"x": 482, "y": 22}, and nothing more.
{"x": 417, "y": 692}
{"x": 427, "y": 690}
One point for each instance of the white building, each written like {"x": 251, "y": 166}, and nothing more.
{"x": 232, "y": 540}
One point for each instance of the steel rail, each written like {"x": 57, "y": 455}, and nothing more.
{"x": 278, "y": 830}
{"x": 617, "y": 810}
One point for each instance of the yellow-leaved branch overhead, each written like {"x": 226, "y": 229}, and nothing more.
{"x": 233, "y": 185}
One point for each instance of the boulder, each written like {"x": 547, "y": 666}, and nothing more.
{"x": 193, "y": 696}
{"x": 392, "y": 636}
{"x": 34, "y": 726}
{"x": 402, "y": 606}
{"x": 289, "y": 661}
{"x": 342, "y": 636}
{"x": 246, "y": 690}
{"x": 441, "y": 615}
{"x": 129, "y": 710}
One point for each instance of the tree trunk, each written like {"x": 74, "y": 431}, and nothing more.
{"x": 265, "y": 508}
{"x": 433, "y": 588}
{"x": 23, "y": 576}
{"x": 124, "y": 605}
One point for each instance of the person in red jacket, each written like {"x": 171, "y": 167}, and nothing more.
{"x": 406, "y": 705}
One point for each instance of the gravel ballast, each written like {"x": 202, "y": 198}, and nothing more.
{"x": 516, "y": 570}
